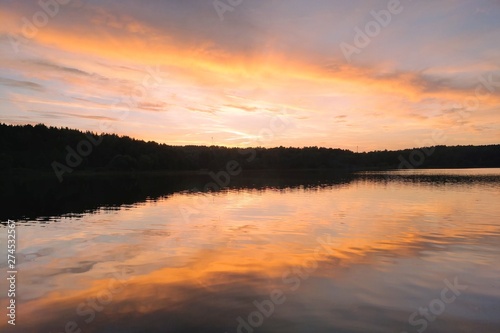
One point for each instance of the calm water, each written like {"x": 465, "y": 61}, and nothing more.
{"x": 376, "y": 252}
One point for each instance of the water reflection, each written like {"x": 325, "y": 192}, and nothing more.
{"x": 35, "y": 197}
{"x": 355, "y": 255}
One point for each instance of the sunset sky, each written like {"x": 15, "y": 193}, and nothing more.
{"x": 373, "y": 74}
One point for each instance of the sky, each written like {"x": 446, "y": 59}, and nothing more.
{"x": 367, "y": 75}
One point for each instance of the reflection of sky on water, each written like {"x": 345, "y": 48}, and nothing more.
{"x": 392, "y": 246}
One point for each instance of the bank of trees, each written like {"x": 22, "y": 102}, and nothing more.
{"x": 39, "y": 147}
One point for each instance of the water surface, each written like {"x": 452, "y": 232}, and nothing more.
{"x": 363, "y": 253}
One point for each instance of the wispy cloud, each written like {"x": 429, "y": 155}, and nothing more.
{"x": 61, "y": 115}
{"x": 21, "y": 84}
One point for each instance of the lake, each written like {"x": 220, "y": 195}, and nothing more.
{"x": 397, "y": 251}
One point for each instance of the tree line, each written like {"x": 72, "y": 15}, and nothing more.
{"x": 45, "y": 148}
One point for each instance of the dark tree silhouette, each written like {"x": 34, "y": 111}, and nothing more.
{"x": 40, "y": 148}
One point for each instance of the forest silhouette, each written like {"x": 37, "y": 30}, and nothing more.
{"x": 107, "y": 170}
{"x": 42, "y": 148}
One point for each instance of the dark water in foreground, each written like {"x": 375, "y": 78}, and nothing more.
{"x": 402, "y": 251}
